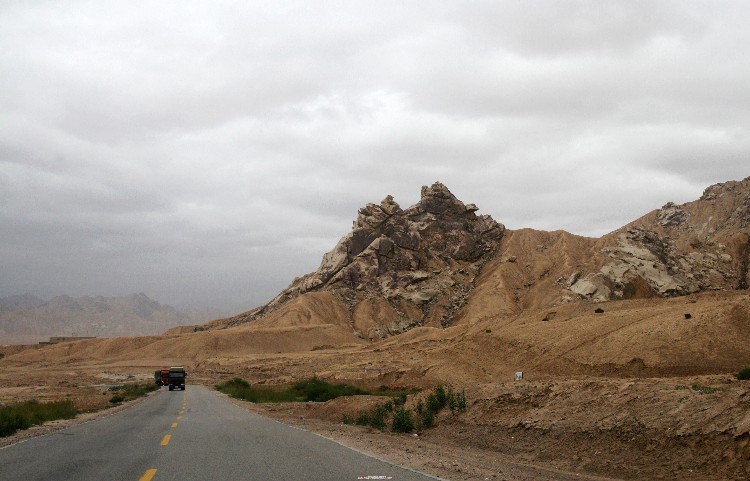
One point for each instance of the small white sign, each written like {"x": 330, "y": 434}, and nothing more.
{"x": 519, "y": 375}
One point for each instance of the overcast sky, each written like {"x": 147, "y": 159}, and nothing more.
{"x": 206, "y": 153}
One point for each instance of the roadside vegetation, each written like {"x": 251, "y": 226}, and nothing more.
{"x": 391, "y": 415}
{"x": 403, "y": 420}
{"x": 128, "y": 392}
{"x": 744, "y": 374}
{"x": 307, "y": 390}
{"x": 23, "y": 415}
{"x": 701, "y": 389}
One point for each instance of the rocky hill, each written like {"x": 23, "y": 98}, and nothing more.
{"x": 437, "y": 263}
{"x": 88, "y": 316}
{"x": 699, "y": 246}
{"x": 399, "y": 269}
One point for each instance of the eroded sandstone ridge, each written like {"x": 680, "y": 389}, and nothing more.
{"x": 676, "y": 250}
{"x": 399, "y": 268}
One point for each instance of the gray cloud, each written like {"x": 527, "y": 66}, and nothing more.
{"x": 208, "y": 153}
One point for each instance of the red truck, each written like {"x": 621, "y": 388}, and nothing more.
{"x": 161, "y": 377}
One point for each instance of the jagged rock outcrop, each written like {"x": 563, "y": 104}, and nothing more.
{"x": 397, "y": 268}
{"x": 677, "y": 250}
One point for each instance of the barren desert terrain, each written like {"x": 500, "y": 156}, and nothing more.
{"x": 628, "y": 344}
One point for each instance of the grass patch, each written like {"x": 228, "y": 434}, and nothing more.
{"x": 317, "y": 390}
{"x": 128, "y": 392}
{"x": 23, "y": 415}
{"x": 744, "y": 374}
{"x": 704, "y": 389}
{"x": 700, "y": 388}
{"x": 310, "y": 390}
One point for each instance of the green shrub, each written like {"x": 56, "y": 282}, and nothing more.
{"x": 427, "y": 419}
{"x": 452, "y": 401}
{"x": 744, "y": 374}
{"x": 116, "y": 399}
{"x": 432, "y": 404}
{"x": 241, "y": 389}
{"x": 438, "y": 399}
{"x": 23, "y": 415}
{"x": 441, "y": 395}
{"x": 362, "y": 419}
{"x": 12, "y": 422}
{"x": 461, "y": 403}
{"x": 456, "y": 401}
{"x": 377, "y": 417}
{"x": 402, "y": 421}
{"x": 239, "y": 382}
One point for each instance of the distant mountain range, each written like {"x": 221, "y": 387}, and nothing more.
{"x": 137, "y": 314}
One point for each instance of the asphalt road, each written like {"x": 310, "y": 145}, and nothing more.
{"x": 190, "y": 435}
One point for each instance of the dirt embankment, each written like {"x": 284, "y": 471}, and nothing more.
{"x": 688, "y": 428}
{"x": 693, "y": 428}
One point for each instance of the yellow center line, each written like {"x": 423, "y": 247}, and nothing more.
{"x": 179, "y": 418}
{"x": 149, "y": 474}
{"x": 174, "y": 425}
{"x": 166, "y": 439}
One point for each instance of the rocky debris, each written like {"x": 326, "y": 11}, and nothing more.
{"x": 644, "y": 263}
{"x": 642, "y": 253}
{"x": 680, "y": 249}
{"x": 423, "y": 260}
{"x": 736, "y": 194}
{"x": 671, "y": 215}
{"x": 742, "y": 214}
{"x": 594, "y": 287}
